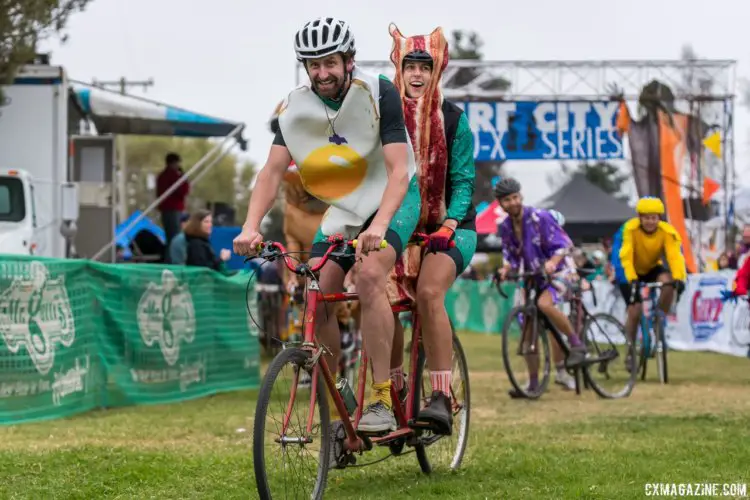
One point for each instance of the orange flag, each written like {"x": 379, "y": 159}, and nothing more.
{"x": 710, "y": 187}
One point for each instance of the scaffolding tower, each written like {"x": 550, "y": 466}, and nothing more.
{"x": 701, "y": 87}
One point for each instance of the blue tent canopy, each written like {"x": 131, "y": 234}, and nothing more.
{"x": 124, "y": 239}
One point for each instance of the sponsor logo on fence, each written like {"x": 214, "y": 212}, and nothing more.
{"x": 461, "y": 308}
{"x": 706, "y": 307}
{"x": 70, "y": 381}
{"x": 490, "y": 310}
{"x": 166, "y": 316}
{"x": 35, "y": 313}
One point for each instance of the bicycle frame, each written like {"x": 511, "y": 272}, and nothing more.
{"x": 530, "y": 284}
{"x": 313, "y": 298}
{"x": 654, "y": 314}
{"x": 528, "y": 278}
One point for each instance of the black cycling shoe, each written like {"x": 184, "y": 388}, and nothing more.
{"x": 516, "y": 394}
{"x": 438, "y": 415}
{"x": 577, "y": 357}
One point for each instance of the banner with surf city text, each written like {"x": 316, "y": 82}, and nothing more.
{"x": 547, "y": 130}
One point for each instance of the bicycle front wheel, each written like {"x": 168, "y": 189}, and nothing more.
{"x": 661, "y": 350}
{"x": 283, "y": 456}
{"x": 520, "y": 350}
{"x": 605, "y": 338}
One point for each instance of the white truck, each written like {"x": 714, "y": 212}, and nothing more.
{"x": 39, "y": 204}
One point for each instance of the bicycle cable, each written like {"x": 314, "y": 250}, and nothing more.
{"x": 251, "y": 281}
{"x": 381, "y": 459}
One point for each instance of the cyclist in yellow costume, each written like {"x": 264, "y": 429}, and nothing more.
{"x": 642, "y": 240}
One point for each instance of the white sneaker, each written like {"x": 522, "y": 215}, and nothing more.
{"x": 564, "y": 379}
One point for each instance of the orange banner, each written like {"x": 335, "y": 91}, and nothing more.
{"x": 672, "y": 152}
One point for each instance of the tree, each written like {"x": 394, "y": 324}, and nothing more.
{"x": 467, "y": 45}
{"x": 23, "y": 24}
{"x": 227, "y": 182}
{"x": 608, "y": 177}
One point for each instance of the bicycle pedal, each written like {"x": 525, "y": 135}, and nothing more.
{"x": 421, "y": 424}
{"x": 424, "y": 425}
{"x": 372, "y": 435}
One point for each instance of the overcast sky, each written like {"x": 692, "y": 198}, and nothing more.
{"x": 235, "y": 59}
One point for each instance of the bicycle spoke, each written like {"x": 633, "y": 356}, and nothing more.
{"x": 611, "y": 375}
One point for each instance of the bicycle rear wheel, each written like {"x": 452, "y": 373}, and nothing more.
{"x": 606, "y": 341}
{"x": 434, "y": 450}
{"x": 284, "y": 476}
{"x": 514, "y": 358}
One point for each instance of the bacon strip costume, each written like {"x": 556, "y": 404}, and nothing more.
{"x": 443, "y": 149}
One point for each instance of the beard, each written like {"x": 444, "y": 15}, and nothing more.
{"x": 329, "y": 87}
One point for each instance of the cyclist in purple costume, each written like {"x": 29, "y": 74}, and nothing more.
{"x": 532, "y": 241}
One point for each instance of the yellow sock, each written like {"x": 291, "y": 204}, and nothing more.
{"x": 333, "y": 413}
{"x": 381, "y": 392}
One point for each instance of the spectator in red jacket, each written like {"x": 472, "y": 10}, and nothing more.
{"x": 172, "y": 206}
{"x": 742, "y": 279}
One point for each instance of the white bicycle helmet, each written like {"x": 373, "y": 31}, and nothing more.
{"x": 322, "y": 37}
{"x": 560, "y": 218}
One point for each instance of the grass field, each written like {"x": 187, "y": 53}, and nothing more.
{"x": 697, "y": 429}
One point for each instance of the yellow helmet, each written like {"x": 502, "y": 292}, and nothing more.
{"x": 649, "y": 205}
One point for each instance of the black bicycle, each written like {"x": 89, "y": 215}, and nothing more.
{"x": 603, "y": 335}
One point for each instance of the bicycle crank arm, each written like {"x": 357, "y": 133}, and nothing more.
{"x": 605, "y": 357}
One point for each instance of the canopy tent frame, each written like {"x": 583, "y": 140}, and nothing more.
{"x": 119, "y": 120}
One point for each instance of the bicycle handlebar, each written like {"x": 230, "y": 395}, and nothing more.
{"x": 656, "y": 284}
{"x": 270, "y": 250}
{"x": 518, "y": 277}
{"x": 653, "y": 284}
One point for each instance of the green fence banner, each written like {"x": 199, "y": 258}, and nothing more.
{"x": 477, "y": 306}
{"x": 77, "y": 335}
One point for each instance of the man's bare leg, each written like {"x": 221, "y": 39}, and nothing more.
{"x": 561, "y": 322}
{"x": 377, "y": 334}
{"x": 327, "y": 326}
{"x": 667, "y": 292}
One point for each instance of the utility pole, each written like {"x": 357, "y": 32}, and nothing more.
{"x": 122, "y": 184}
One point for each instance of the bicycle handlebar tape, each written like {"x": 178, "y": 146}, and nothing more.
{"x": 383, "y": 244}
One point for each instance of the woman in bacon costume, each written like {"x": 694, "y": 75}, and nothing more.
{"x": 444, "y": 151}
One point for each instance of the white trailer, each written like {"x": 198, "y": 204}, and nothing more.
{"x": 34, "y": 162}
{"x": 55, "y": 175}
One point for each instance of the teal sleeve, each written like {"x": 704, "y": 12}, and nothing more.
{"x": 461, "y": 171}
